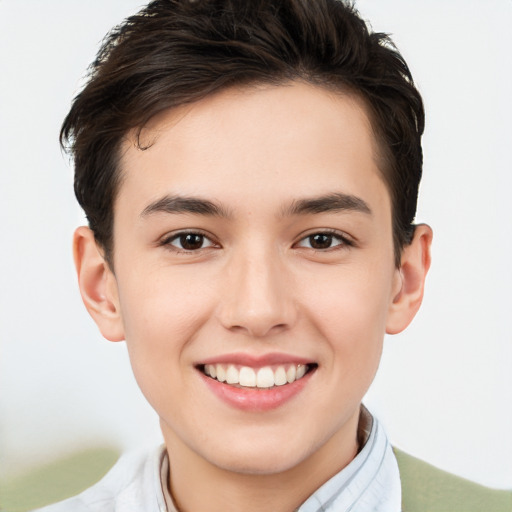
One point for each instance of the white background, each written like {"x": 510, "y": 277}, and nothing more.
{"x": 444, "y": 390}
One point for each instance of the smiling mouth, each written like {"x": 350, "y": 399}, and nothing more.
{"x": 265, "y": 377}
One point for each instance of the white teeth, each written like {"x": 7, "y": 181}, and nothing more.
{"x": 211, "y": 370}
{"x": 247, "y": 377}
{"x": 221, "y": 373}
{"x": 291, "y": 374}
{"x": 265, "y": 377}
{"x": 232, "y": 375}
{"x": 280, "y": 376}
{"x": 301, "y": 371}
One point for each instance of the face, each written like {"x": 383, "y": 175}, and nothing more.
{"x": 254, "y": 274}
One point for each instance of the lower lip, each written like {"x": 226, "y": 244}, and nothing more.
{"x": 256, "y": 399}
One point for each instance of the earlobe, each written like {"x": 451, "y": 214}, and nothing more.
{"x": 98, "y": 286}
{"x": 415, "y": 263}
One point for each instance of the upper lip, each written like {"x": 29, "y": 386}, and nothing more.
{"x": 255, "y": 361}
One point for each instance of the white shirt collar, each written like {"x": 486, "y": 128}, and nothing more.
{"x": 370, "y": 483}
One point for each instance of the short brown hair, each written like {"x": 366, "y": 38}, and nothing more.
{"x": 175, "y": 52}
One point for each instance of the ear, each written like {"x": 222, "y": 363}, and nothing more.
{"x": 98, "y": 285}
{"x": 415, "y": 262}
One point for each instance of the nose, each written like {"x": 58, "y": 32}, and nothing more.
{"x": 257, "y": 295}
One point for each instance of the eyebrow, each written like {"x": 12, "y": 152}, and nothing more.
{"x": 197, "y": 206}
{"x": 181, "y": 204}
{"x": 327, "y": 203}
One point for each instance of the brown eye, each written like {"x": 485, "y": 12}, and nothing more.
{"x": 323, "y": 241}
{"x": 189, "y": 241}
{"x": 320, "y": 241}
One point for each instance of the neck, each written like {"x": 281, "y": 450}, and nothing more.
{"x": 197, "y": 484}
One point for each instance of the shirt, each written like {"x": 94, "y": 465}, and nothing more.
{"x": 138, "y": 482}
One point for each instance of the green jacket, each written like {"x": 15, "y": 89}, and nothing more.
{"x": 428, "y": 489}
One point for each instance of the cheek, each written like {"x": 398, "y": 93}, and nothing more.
{"x": 351, "y": 312}
{"x": 160, "y": 300}
{"x": 161, "y": 312}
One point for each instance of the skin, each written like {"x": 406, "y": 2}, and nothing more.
{"x": 255, "y": 285}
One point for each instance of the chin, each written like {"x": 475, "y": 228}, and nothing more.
{"x": 258, "y": 458}
{"x": 263, "y": 465}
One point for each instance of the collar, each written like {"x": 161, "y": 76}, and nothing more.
{"x": 370, "y": 483}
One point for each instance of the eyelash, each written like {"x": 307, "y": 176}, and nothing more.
{"x": 344, "y": 241}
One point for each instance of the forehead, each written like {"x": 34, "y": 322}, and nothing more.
{"x": 265, "y": 141}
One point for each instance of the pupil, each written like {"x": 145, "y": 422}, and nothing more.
{"x": 320, "y": 241}
{"x": 191, "y": 241}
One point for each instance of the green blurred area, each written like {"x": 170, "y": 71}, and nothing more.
{"x": 428, "y": 489}
{"x": 56, "y": 481}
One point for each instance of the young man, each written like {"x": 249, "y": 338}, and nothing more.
{"x": 249, "y": 170}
